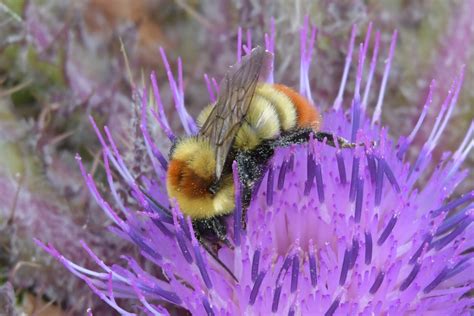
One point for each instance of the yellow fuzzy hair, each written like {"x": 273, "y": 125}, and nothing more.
{"x": 198, "y": 154}
{"x": 261, "y": 122}
{"x": 206, "y": 207}
{"x": 197, "y": 208}
{"x": 224, "y": 200}
{"x": 282, "y": 104}
{"x": 202, "y": 117}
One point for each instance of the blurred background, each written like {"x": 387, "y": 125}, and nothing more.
{"x": 61, "y": 61}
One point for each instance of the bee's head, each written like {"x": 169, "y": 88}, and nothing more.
{"x": 191, "y": 179}
{"x": 192, "y": 166}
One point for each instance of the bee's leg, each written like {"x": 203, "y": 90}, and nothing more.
{"x": 248, "y": 174}
{"x": 296, "y": 136}
{"x": 247, "y": 191}
{"x": 331, "y": 140}
{"x": 251, "y": 166}
{"x": 302, "y": 135}
{"x": 246, "y": 169}
{"x": 197, "y": 231}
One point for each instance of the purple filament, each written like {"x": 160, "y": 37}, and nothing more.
{"x": 283, "y": 270}
{"x": 368, "y": 248}
{"x": 378, "y": 281}
{"x": 453, "y": 204}
{"x": 276, "y": 299}
{"x": 418, "y": 252}
{"x": 354, "y": 178}
{"x": 291, "y": 164}
{"x": 182, "y": 245}
{"x": 379, "y": 183}
{"x": 442, "y": 242}
{"x": 372, "y": 167}
{"x": 359, "y": 200}
{"x": 391, "y": 178}
{"x": 332, "y": 308}
{"x": 256, "y": 288}
{"x": 341, "y": 167}
{"x": 167, "y": 295}
{"x": 295, "y": 273}
{"x": 319, "y": 183}
{"x": 143, "y": 246}
{"x": 310, "y": 167}
{"x": 453, "y": 220}
{"x": 355, "y": 119}
{"x": 278, "y": 283}
{"x": 439, "y": 278}
{"x": 255, "y": 264}
{"x": 270, "y": 187}
{"x": 282, "y": 174}
{"x": 388, "y": 229}
{"x": 184, "y": 227}
{"x": 292, "y": 311}
{"x": 207, "y": 306}
{"x": 312, "y": 270}
{"x": 409, "y": 279}
{"x": 202, "y": 266}
{"x": 354, "y": 253}
{"x": 345, "y": 267}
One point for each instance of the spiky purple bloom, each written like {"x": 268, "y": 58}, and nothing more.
{"x": 329, "y": 231}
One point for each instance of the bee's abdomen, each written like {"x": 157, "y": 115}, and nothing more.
{"x": 275, "y": 108}
{"x": 286, "y": 112}
{"x": 294, "y": 110}
{"x": 307, "y": 115}
{"x": 260, "y": 123}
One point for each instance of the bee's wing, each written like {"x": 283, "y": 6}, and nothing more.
{"x": 237, "y": 90}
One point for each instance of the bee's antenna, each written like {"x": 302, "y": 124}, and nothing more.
{"x": 215, "y": 257}
{"x": 164, "y": 210}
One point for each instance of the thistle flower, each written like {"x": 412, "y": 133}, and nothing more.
{"x": 329, "y": 231}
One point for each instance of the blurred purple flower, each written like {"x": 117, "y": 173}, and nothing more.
{"x": 7, "y": 299}
{"x": 329, "y": 231}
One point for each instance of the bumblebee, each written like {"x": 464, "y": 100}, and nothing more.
{"x": 247, "y": 122}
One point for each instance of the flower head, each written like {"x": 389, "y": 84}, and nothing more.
{"x": 329, "y": 231}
